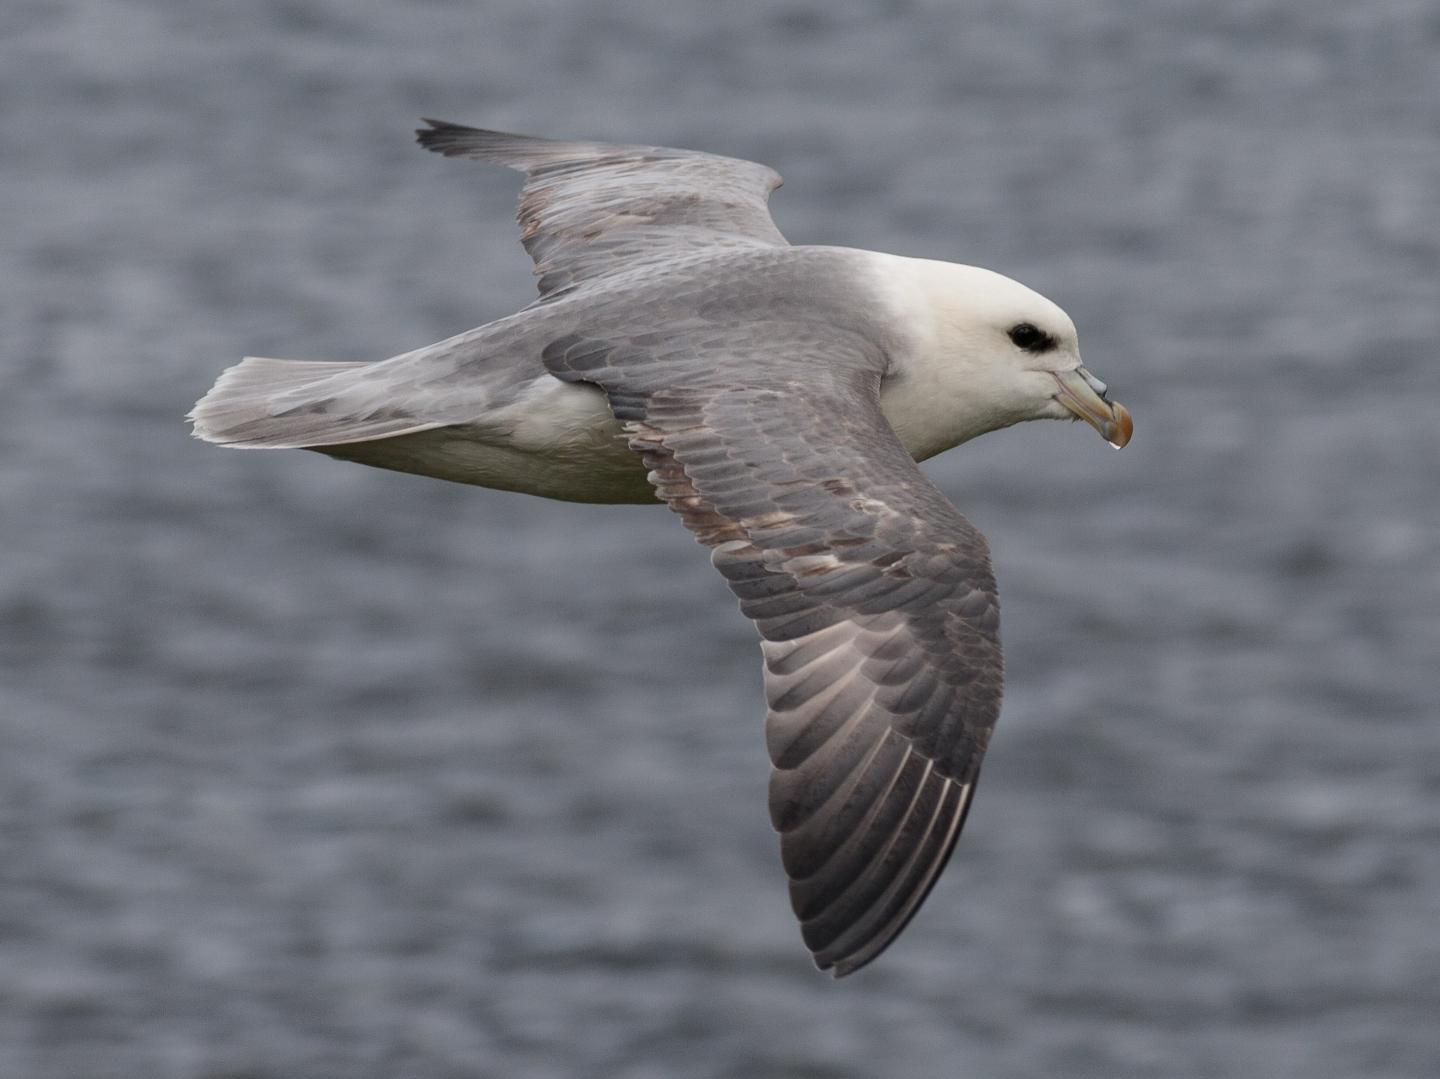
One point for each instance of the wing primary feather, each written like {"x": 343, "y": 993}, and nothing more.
{"x": 811, "y": 849}
{"x": 808, "y": 848}
{"x": 833, "y": 917}
{"x": 871, "y": 902}
{"x": 903, "y": 904}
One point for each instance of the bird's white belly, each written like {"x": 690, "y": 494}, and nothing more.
{"x": 555, "y": 439}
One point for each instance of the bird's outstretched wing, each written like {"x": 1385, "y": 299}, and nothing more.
{"x": 873, "y": 596}
{"x": 590, "y": 209}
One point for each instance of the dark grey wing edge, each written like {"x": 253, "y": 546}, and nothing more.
{"x": 882, "y": 939}
{"x": 523, "y": 153}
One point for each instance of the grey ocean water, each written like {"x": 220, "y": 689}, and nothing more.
{"x": 311, "y": 770}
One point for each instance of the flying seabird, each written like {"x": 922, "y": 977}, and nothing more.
{"x": 776, "y": 398}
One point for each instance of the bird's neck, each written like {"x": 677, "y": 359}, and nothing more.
{"x": 938, "y": 391}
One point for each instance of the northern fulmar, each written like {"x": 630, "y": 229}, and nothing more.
{"x": 776, "y": 398}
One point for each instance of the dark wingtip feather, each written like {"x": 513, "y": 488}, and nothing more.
{"x": 522, "y": 152}
{"x": 869, "y": 950}
{"x": 449, "y": 139}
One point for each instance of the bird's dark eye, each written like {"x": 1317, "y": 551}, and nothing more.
{"x": 1031, "y": 338}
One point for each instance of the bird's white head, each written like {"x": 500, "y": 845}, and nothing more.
{"x": 984, "y": 352}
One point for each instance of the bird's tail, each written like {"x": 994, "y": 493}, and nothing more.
{"x": 297, "y": 404}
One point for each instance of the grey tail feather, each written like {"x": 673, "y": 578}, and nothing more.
{"x": 292, "y": 404}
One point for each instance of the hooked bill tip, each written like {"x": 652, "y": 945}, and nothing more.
{"x": 1119, "y": 429}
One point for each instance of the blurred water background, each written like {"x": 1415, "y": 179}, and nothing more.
{"x": 309, "y": 770}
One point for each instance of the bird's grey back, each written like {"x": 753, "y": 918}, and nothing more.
{"x": 697, "y": 306}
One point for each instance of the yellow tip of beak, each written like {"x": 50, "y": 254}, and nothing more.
{"x": 1124, "y": 427}
{"x": 1110, "y": 418}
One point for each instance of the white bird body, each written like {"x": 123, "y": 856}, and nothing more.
{"x": 556, "y": 439}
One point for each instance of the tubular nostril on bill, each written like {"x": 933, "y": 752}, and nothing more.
{"x": 1095, "y": 384}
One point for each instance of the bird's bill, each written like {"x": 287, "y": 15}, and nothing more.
{"x": 1084, "y": 394}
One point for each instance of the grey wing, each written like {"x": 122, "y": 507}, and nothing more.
{"x": 876, "y": 606}
{"x": 588, "y": 209}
